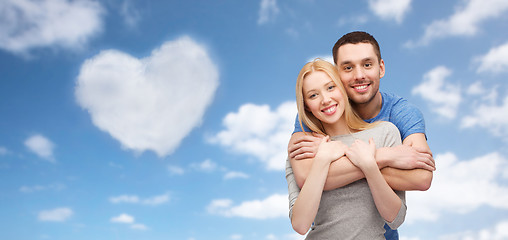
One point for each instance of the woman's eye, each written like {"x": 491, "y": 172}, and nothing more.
{"x": 312, "y": 96}
{"x": 331, "y": 87}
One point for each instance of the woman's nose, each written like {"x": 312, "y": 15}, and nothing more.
{"x": 326, "y": 99}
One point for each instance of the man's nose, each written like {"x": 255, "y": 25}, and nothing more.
{"x": 359, "y": 73}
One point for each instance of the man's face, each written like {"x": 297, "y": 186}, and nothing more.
{"x": 360, "y": 71}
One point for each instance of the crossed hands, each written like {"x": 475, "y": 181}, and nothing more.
{"x": 303, "y": 146}
{"x": 360, "y": 153}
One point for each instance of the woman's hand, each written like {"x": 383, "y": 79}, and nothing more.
{"x": 362, "y": 154}
{"x": 330, "y": 151}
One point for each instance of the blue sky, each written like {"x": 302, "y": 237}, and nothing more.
{"x": 125, "y": 119}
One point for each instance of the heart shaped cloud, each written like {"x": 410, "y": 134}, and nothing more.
{"x": 150, "y": 103}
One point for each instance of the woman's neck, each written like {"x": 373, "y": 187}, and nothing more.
{"x": 338, "y": 128}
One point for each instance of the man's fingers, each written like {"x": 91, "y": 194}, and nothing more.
{"x": 301, "y": 150}
{"x": 304, "y": 155}
{"x": 426, "y": 166}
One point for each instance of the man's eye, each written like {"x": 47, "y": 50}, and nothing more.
{"x": 368, "y": 65}
{"x": 348, "y": 68}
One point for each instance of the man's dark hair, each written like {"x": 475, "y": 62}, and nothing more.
{"x": 354, "y": 38}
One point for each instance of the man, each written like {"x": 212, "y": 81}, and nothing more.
{"x": 405, "y": 167}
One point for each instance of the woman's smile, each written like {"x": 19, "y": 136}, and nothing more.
{"x": 330, "y": 110}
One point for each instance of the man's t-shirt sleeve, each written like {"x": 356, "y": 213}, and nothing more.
{"x": 408, "y": 118}
{"x": 298, "y": 128}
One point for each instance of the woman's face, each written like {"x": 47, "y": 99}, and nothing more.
{"x": 323, "y": 97}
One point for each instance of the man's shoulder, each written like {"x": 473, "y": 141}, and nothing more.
{"x": 396, "y": 103}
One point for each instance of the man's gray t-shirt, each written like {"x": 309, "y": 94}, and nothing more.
{"x": 349, "y": 212}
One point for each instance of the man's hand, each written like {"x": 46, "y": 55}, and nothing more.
{"x": 303, "y": 145}
{"x": 406, "y": 157}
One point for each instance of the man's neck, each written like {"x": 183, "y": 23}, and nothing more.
{"x": 370, "y": 109}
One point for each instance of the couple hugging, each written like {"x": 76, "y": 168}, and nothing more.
{"x": 355, "y": 150}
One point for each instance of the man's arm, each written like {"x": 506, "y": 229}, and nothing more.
{"x": 343, "y": 172}
{"x": 413, "y": 153}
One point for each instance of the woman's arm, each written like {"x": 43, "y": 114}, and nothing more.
{"x": 387, "y": 202}
{"x": 343, "y": 172}
{"x": 307, "y": 203}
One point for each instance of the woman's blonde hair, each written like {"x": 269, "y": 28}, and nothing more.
{"x": 354, "y": 122}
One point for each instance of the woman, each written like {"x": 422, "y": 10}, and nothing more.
{"x": 358, "y": 210}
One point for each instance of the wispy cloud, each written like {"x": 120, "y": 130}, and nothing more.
{"x": 125, "y": 218}
{"x": 495, "y": 61}
{"x": 37, "y": 188}
{"x": 150, "y": 103}
{"x": 206, "y": 166}
{"x": 55, "y": 215}
{"x": 491, "y": 116}
{"x": 464, "y": 22}
{"x": 3, "y": 151}
{"x": 496, "y": 232}
{"x": 41, "y": 146}
{"x": 443, "y": 97}
{"x": 274, "y": 206}
{"x": 234, "y": 174}
{"x": 175, "y": 170}
{"x": 258, "y": 131}
{"x": 456, "y": 177}
{"x": 130, "y": 13}
{"x": 155, "y": 200}
{"x": 25, "y": 25}
{"x": 390, "y": 9}
{"x": 268, "y": 11}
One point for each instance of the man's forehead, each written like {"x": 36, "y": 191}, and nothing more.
{"x": 355, "y": 52}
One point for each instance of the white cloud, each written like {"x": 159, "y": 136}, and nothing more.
{"x": 497, "y": 232}
{"x": 495, "y": 61}
{"x": 3, "y": 151}
{"x": 236, "y": 237}
{"x": 491, "y": 116}
{"x": 175, "y": 170}
{"x": 130, "y": 13}
{"x": 123, "y": 218}
{"x": 328, "y": 58}
{"x": 150, "y": 103}
{"x": 274, "y": 206}
{"x": 139, "y": 226}
{"x": 155, "y": 200}
{"x": 268, "y": 10}
{"x": 26, "y": 24}
{"x": 355, "y": 20}
{"x": 233, "y": 174}
{"x": 124, "y": 199}
{"x": 258, "y": 131}
{"x": 41, "y": 146}
{"x": 390, "y": 9}
{"x": 443, "y": 97}
{"x": 476, "y": 181}
{"x": 206, "y": 166}
{"x": 37, "y": 188}
{"x": 464, "y": 22}
{"x": 55, "y": 215}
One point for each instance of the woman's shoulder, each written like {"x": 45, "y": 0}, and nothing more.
{"x": 390, "y": 132}
{"x": 386, "y": 128}
{"x": 386, "y": 125}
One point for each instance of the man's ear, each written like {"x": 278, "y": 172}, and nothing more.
{"x": 381, "y": 69}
